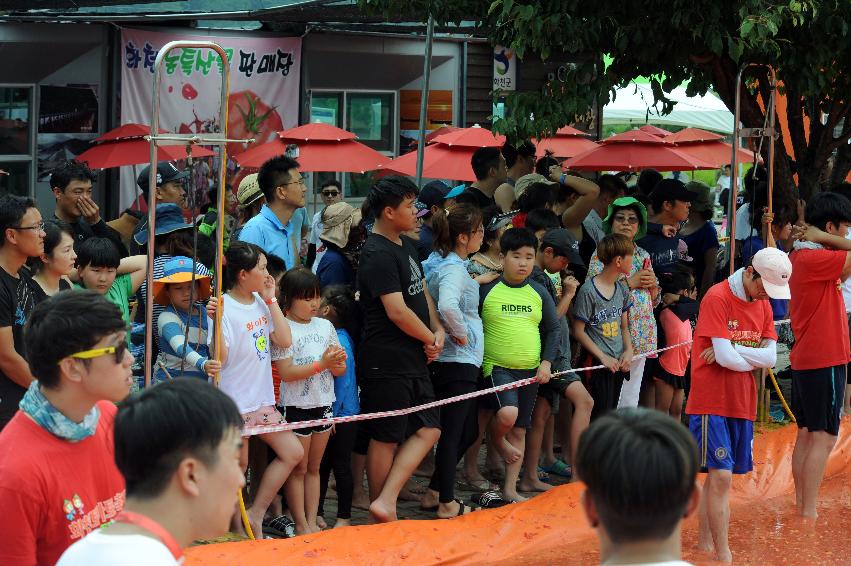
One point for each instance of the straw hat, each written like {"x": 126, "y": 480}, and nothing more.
{"x": 248, "y": 191}
{"x": 527, "y": 181}
{"x": 179, "y": 270}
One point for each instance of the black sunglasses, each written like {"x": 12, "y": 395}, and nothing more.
{"x": 330, "y": 193}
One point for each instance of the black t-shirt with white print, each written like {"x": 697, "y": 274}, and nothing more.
{"x": 17, "y": 300}
{"x": 386, "y": 267}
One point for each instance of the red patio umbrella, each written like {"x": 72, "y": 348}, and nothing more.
{"x": 707, "y": 146}
{"x": 566, "y": 142}
{"x": 658, "y": 132}
{"x": 347, "y": 156}
{"x": 440, "y": 161}
{"x": 635, "y": 150}
{"x": 134, "y": 152}
{"x": 316, "y": 132}
{"x": 475, "y": 136}
{"x": 440, "y": 131}
{"x": 127, "y": 131}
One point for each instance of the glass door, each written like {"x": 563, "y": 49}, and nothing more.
{"x": 16, "y": 147}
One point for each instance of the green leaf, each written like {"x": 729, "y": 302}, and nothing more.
{"x": 746, "y": 28}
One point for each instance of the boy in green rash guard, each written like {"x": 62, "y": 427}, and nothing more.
{"x": 521, "y": 341}
{"x": 100, "y": 268}
{"x": 601, "y": 325}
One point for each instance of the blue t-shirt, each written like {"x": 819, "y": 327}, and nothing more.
{"x": 334, "y": 269}
{"x": 265, "y": 230}
{"x": 346, "y": 402}
{"x": 663, "y": 251}
{"x": 425, "y": 245}
{"x": 699, "y": 242}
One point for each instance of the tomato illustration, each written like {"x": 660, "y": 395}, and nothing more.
{"x": 189, "y": 92}
{"x": 250, "y": 117}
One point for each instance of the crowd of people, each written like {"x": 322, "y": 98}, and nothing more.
{"x": 419, "y": 295}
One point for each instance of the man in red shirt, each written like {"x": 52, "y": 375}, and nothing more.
{"x": 734, "y": 335}
{"x": 821, "y": 351}
{"x": 58, "y": 479}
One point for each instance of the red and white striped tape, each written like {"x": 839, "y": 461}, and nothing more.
{"x": 254, "y": 430}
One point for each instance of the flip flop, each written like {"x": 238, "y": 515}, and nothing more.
{"x": 477, "y": 485}
{"x": 559, "y": 468}
{"x": 279, "y": 527}
{"x": 489, "y": 500}
{"x": 542, "y": 474}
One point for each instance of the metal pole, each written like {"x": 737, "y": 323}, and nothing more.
{"x": 770, "y": 108}
{"x": 734, "y": 177}
{"x": 154, "y": 139}
{"x": 424, "y": 99}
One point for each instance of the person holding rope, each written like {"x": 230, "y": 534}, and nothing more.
{"x": 821, "y": 352}
{"x": 177, "y": 446}
{"x": 251, "y": 319}
{"x": 734, "y": 335}
{"x": 402, "y": 335}
{"x": 178, "y": 358}
{"x": 458, "y": 233}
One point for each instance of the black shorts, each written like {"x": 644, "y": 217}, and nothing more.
{"x": 675, "y": 381}
{"x": 521, "y": 397}
{"x": 817, "y": 398}
{"x": 381, "y": 392}
{"x": 299, "y": 415}
{"x": 605, "y": 388}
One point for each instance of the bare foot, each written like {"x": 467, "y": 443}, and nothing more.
{"x": 533, "y": 485}
{"x": 381, "y": 513}
{"x": 303, "y": 530}
{"x": 725, "y": 557}
{"x": 512, "y": 495}
{"x": 430, "y": 500}
{"x": 704, "y": 546}
{"x": 320, "y": 522}
{"x": 407, "y": 495}
{"x": 809, "y": 515}
{"x": 256, "y": 524}
{"x": 508, "y": 452}
{"x": 360, "y": 499}
{"x": 343, "y": 523}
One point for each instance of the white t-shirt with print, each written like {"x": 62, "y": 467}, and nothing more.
{"x": 127, "y": 550}
{"x": 247, "y": 374}
{"x": 310, "y": 340}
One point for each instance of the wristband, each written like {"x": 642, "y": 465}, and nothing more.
{"x": 563, "y": 178}
{"x": 316, "y": 367}
{"x": 271, "y": 301}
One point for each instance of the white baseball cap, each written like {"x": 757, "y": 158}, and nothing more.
{"x": 774, "y": 267}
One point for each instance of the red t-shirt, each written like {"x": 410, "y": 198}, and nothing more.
{"x": 54, "y": 492}
{"x": 817, "y": 310}
{"x": 716, "y": 390}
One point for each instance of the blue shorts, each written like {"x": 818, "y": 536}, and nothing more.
{"x": 723, "y": 443}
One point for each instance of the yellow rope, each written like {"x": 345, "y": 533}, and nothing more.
{"x": 780, "y": 395}
{"x": 244, "y": 514}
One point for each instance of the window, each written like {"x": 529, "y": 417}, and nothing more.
{"x": 15, "y": 111}
{"x": 15, "y": 179}
{"x": 369, "y": 115}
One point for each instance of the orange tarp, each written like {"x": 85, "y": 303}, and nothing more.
{"x": 551, "y": 528}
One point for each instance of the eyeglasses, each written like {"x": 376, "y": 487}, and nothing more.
{"x": 330, "y": 193}
{"x": 628, "y": 219}
{"x": 298, "y": 182}
{"x": 98, "y": 352}
{"x": 39, "y": 227}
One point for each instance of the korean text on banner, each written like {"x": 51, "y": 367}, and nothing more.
{"x": 264, "y": 87}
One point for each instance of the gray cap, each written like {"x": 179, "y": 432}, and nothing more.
{"x": 563, "y": 244}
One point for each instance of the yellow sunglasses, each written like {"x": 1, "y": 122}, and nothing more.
{"x": 98, "y": 352}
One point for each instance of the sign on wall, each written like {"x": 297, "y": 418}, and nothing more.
{"x": 504, "y": 69}
{"x": 264, "y": 87}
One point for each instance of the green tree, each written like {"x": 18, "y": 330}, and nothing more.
{"x": 672, "y": 41}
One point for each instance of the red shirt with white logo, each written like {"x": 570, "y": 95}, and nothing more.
{"x": 716, "y": 390}
{"x": 54, "y": 492}
{"x": 817, "y": 310}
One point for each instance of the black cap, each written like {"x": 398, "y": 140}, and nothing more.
{"x": 563, "y": 244}
{"x": 671, "y": 189}
{"x": 166, "y": 171}
{"x": 433, "y": 194}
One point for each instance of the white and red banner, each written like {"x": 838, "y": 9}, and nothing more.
{"x": 264, "y": 87}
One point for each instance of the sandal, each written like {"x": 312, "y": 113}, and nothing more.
{"x": 461, "y": 509}
{"x": 279, "y": 527}
{"x": 559, "y": 468}
{"x": 489, "y": 500}
{"x": 476, "y": 485}
{"x": 542, "y": 474}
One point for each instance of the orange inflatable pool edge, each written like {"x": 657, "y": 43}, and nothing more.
{"x": 548, "y": 529}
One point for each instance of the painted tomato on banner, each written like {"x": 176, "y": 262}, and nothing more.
{"x": 251, "y": 117}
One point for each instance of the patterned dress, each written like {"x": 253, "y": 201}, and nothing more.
{"x": 642, "y": 324}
